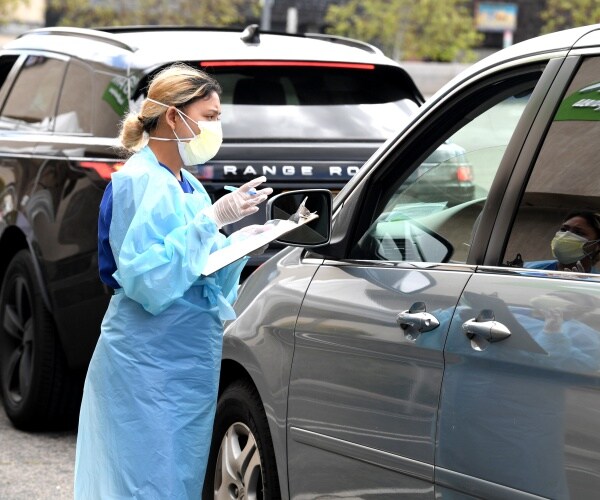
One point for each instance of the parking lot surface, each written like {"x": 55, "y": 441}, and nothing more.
{"x": 35, "y": 466}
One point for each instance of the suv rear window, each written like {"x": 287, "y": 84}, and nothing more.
{"x": 308, "y": 84}
{"x": 311, "y": 101}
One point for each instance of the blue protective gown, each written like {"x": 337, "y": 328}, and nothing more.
{"x": 150, "y": 393}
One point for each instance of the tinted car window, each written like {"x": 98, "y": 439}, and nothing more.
{"x": 6, "y": 64}
{"x": 32, "y": 100}
{"x": 430, "y": 216}
{"x": 313, "y": 102}
{"x": 110, "y": 103}
{"x": 75, "y": 107}
{"x": 563, "y": 178}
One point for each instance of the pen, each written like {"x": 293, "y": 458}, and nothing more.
{"x": 251, "y": 191}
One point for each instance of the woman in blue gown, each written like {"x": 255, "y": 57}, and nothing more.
{"x": 150, "y": 392}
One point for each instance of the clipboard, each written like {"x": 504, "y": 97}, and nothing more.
{"x": 275, "y": 229}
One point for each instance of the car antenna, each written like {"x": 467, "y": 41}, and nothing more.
{"x": 251, "y": 34}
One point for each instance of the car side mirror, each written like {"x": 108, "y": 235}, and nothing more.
{"x": 312, "y": 234}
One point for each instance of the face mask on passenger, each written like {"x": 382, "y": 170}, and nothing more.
{"x": 200, "y": 148}
{"x": 568, "y": 247}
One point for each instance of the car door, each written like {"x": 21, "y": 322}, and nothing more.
{"x": 519, "y": 410}
{"x": 368, "y": 360}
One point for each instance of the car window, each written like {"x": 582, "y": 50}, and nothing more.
{"x": 563, "y": 179}
{"x": 430, "y": 215}
{"x": 74, "y": 113}
{"x": 31, "y": 103}
{"x": 6, "y": 64}
{"x": 111, "y": 104}
{"x": 297, "y": 101}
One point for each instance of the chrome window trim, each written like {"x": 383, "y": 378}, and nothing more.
{"x": 587, "y": 51}
{"x": 38, "y": 52}
{"x": 538, "y": 273}
{"x": 372, "y": 456}
{"x": 408, "y": 265}
{"x": 479, "y": 488}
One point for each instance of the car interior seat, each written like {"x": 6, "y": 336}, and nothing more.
{"x": 258, "y": 92}
{"x": 532, "y": 232}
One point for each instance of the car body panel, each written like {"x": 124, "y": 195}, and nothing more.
{"x": 227, "y": 45}
{"x": 81, "y": 48}
{"x": 532, "y": 395}
{"x": 250, "y": 345}
{"x": 389, "y": 380}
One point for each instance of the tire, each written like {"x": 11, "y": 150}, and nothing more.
{"x": 241, "y": 423}
{"x": 38, "y": 392}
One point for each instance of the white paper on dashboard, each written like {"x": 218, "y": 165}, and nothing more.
{"x": 235, "y": 251}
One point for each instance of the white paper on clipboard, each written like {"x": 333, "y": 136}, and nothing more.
{"x": 231, "y": 253}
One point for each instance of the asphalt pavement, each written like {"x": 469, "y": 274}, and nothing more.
{"x": 35, "y": 466}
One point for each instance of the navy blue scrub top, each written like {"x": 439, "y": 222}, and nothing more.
{"x": 106, "y": 259}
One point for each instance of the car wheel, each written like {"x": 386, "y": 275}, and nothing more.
{"x": 242, "y": 461}
{"x": 37, "y": 390}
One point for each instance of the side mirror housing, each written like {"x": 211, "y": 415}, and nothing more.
{"x": 313, "y": 234}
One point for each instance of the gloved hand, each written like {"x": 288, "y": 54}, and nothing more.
{"x": 577, "y": 268}
{"x": 237, "y": 205}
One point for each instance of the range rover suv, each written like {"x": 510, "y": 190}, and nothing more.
{"x": 304, "y": 110}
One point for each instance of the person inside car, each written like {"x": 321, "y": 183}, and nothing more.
{"x": 576, "y": 245}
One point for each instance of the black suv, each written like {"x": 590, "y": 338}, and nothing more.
{"x": 304, "y": 110}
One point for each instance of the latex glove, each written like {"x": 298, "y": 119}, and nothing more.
{"x": 235, "y": 206}
{"x": 577, "y": 268}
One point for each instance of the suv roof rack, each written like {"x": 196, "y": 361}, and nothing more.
{"x": 91, "y": 34}
{"x": 249, "y": 34}
{"x": 359, "y": 44}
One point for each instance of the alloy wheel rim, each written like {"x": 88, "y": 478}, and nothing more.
{"x": 238, "y": 471}
{"x": 16, "y": 348}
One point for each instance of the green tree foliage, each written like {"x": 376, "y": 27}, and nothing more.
{"x": 562, "y": 14}
{"x": 90, "y": 13}
{"x": 409, "y": 29}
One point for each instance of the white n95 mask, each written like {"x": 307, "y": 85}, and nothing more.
{"x": 568, "y": 247}
{"x": 202, "y": 147}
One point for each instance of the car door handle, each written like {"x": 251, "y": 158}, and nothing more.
{"x": 416, "y": 321}
{"x": 486, "y": 327}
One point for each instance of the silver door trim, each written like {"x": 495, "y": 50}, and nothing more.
{"x": 479, "y": 487}
{"x": 372, "y": 456}
{"x": 538, "y": 273}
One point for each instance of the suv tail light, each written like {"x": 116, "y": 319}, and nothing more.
{"x": 464, "y": 173}
{"x": 208, "y": 64}
{"x": 102, "y": 168}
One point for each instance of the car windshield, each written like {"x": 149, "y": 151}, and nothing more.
{"x": 322, "y": 102}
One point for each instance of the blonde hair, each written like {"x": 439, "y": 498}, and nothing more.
{"x": 176, "y": 85}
